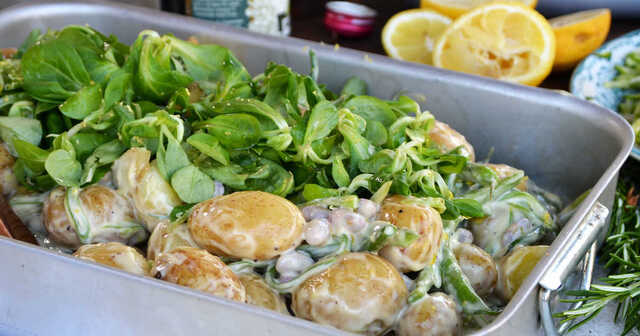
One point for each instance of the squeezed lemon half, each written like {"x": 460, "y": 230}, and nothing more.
{"x": 507, "y": 41}
{"x": 579, "y": 34}
{"x": 455, "y": 8}
{"x": 410, "y": 35}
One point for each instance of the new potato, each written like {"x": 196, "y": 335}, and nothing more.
{"x": 433, "y": 315}
{"x": 152, "y": 196}
{"x": 167, "y": 236}
{"x": 449, "y": 139}
{"x": 478, "y": 266}
{"x": 104, "y": 209}
{"x": 425, "y": 221}
{"x": 115, "y": 255}
{"x": 360, "y": 293}
{"x": 198, "y": 269}
{"x": 261, "y": 295}
{"x": 247, "y": 224}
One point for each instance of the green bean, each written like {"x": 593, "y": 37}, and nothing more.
{"x": 458, "y": 286}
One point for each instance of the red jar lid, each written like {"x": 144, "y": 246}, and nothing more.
{"x": 349, "y": 19}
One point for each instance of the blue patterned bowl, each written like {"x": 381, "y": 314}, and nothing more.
{"x": 587, "y": 81}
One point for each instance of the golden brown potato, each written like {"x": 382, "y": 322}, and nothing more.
{"x": 449, "y": 139}
{"x": 127, "y": 169}
{"x": 115, "y": 255}
{"x": 167, "y": 236}
{"x": 503, "y": 170}
{"x": 261, "y": 295}
{"x": 109, "y": 215}
{"x": 198, "y": 269}
{"x": 247, "y": 224}
{"x": 8, "y": 181}
{"x": 8, "y": 52}
{"x": 433, "y": 315}
{"x": 360, "y": 293}
{"x": 478, "y": 266}
{"x": 402, "y": 212}
{"x": 515, "y": 267}
{"x": 152, "y": 196}
{"x": 56, "y": 222}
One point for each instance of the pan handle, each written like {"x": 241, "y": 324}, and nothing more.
{"x": 583, "y": 246}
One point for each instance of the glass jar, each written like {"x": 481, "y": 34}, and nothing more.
{"x": 263, "y": 16}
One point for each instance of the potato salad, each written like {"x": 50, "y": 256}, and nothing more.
{"x": 167, "y": 159}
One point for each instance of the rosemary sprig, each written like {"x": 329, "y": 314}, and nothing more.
{"x": 621, "y": 254}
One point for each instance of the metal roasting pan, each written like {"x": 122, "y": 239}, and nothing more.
{"x": 564, "y": 144}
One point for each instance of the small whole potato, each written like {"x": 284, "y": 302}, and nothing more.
{"x": 56, "y": 222}
{"x": 198, "y": 269}
{"x": 247, "y": 224}
{"x": 115, "y": 255}
{"x": 8, "y": 181}
{"x": 402, "y": 212}
{"x": 504, "y": 171}
{"x": 360, "y": 293}
{"x": 449, "y": 139}
{"x": 261, "y": 295}
{"x": 478, "y": 266}
{"x": 433, "y": 315}
{"x": 109, "y": 215}
{"x": 152, "y": 196}
{"x": 166, "y": 236}
{"x": 515, "y": 267}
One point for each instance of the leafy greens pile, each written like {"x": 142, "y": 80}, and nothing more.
{"x": 74, "y": 100}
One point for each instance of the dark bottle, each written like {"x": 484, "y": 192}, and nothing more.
{"x": 174, "y": 6}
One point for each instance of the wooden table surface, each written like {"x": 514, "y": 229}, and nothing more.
{"x": 307, "y": 23}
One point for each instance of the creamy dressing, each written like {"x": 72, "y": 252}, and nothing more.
{"x": 488, "y": 233}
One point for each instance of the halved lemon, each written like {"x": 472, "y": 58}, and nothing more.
{"x": 455, "y": 8}
{"x": 579, "y": 34}
{"x": 410, "y": 35}
{"x": 507, "y": 41}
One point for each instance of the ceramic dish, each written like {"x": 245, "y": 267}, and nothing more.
{"x": 589, "y": 78}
